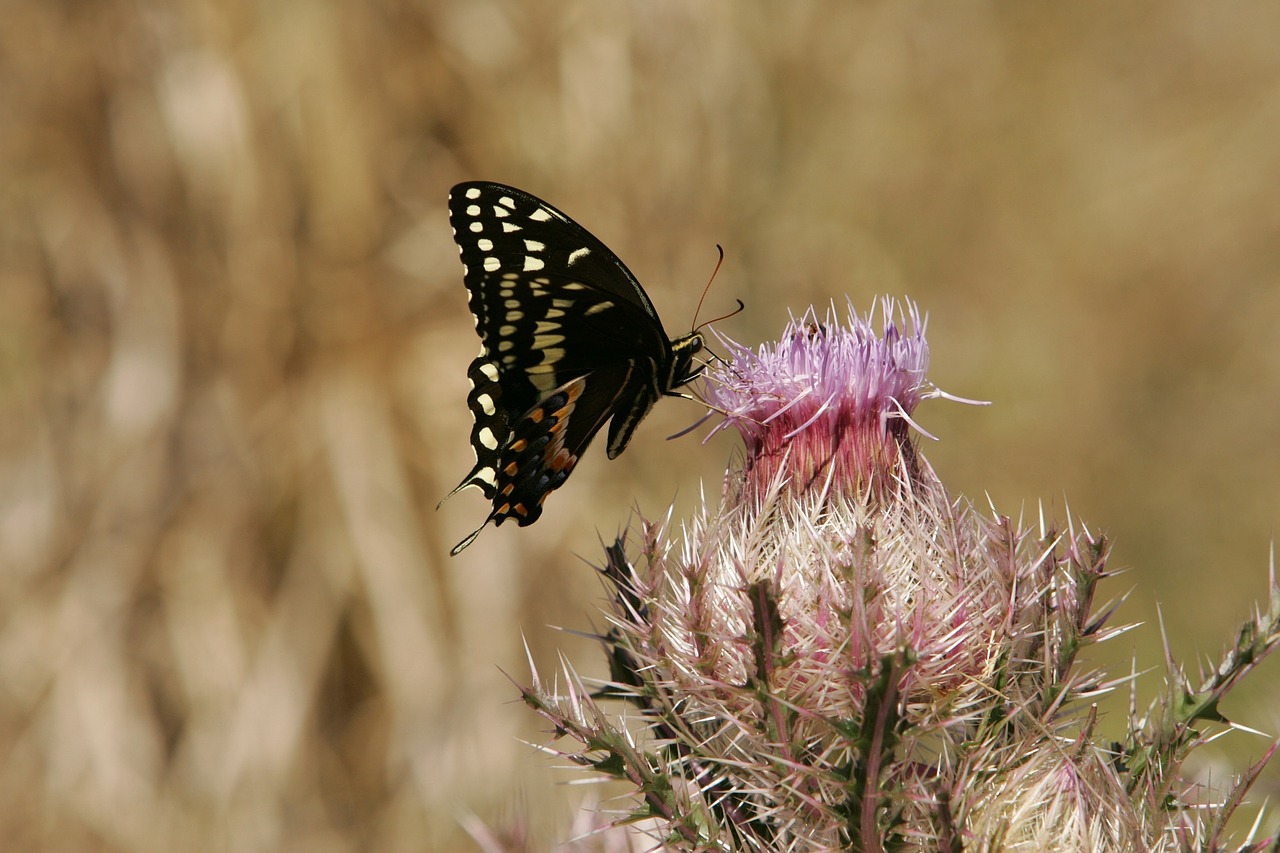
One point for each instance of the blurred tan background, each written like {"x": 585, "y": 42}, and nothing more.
{"x": 233, "y": 342}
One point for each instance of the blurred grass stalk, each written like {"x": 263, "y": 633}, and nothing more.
{"x": 842, "y": 656}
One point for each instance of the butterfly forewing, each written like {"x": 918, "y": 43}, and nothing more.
{"x": 568, "y": 340}
{"x": 502, "y": 227}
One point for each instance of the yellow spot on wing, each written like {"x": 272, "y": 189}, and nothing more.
{"x": 545, "y": 343}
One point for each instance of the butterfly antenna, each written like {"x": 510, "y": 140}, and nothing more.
{"x": 715, "y": 355}
{"x": 741, "y": 307}
{"x": 719, "y": 261}
{"x": 705, "y": 290}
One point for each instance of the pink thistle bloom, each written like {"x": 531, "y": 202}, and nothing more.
{"x": 826, "y": 403}
{"x": 837, "y": 516}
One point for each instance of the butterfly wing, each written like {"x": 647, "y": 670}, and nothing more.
{"x": 568, "y": 341}
{"x": 520, "y": 232}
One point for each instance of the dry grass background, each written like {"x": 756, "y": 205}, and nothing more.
{"x": 233, "y": 338}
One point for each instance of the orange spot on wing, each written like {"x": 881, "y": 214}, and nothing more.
{"x": 562, "y": 460}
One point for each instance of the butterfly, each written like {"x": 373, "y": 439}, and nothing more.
{"x": 568, "y": 341}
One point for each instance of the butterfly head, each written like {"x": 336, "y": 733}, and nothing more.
{"x": 683, "y": 367}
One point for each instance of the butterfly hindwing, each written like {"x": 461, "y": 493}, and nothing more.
{"x": 569, "y": 340}
{"x": 492, "y": 426}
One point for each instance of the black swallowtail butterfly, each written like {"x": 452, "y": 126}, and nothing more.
{"x": 568, "y": 340}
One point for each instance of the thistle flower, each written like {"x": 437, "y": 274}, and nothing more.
{"x": 840, "y": 655}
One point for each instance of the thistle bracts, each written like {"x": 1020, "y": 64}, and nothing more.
{"x": 840, "y": 655}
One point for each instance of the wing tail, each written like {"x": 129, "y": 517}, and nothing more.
{"x": 461, "y": 546}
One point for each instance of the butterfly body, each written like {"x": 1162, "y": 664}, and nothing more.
{"x": 569, "y": 340}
